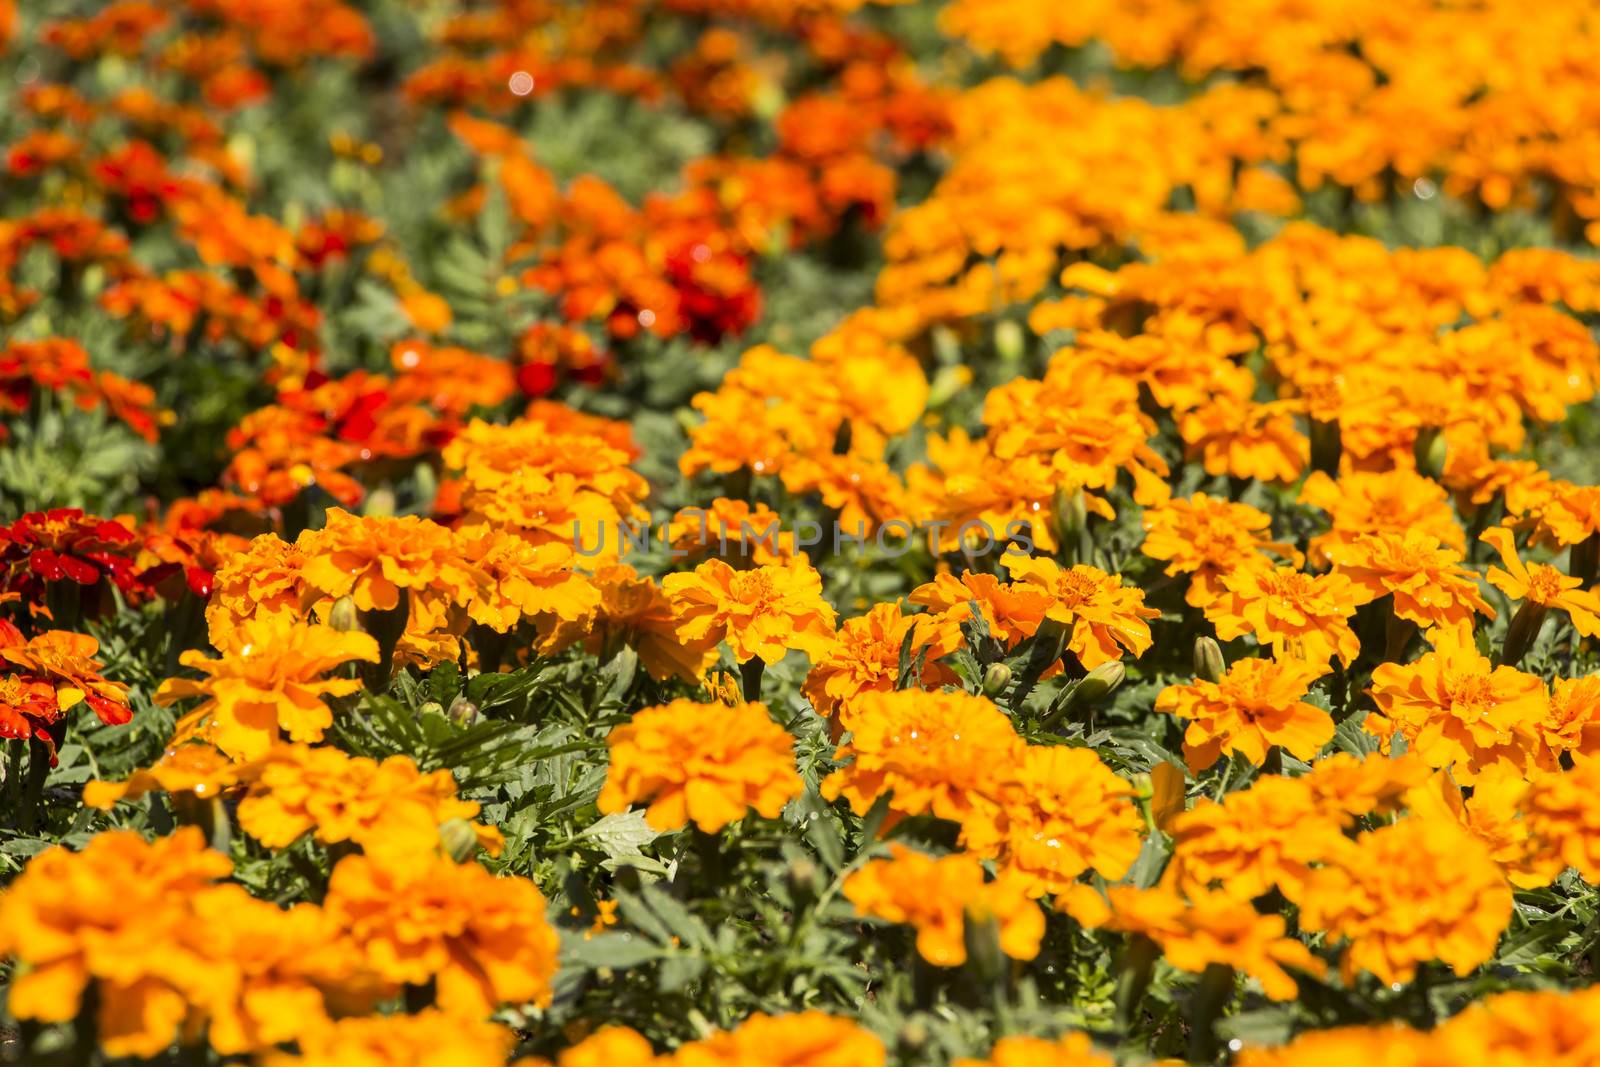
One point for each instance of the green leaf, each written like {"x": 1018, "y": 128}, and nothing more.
{"x": 618, "y": 951}
{"x": 621, "y": 836}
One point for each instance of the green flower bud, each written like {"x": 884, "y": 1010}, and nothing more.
{"x": 1208, "y": 662}
{"x": 460, "y": 840}
{"x": 344, "y": 616}
{"x": 995, "y": 679}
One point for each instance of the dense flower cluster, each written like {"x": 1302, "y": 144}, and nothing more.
{"x": 799, "y": 533}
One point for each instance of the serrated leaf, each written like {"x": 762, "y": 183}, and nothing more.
{"x": 621, "y": 835}
{"x": 618, "y": 951}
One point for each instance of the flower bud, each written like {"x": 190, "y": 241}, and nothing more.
{"x": 464, "y": 712}
{"x": 981, "y": 934}
{"x": 460, "y": 839}
{"x": 1008, "y": 340}
{"x": 1208, "y": 662}
{"x": 380, "y": 503}
{"x": 995, "y": 679}
{"x": 802, "y": 875}
{"x": 344, "y": 616}
{"x": 1100, "y": 682}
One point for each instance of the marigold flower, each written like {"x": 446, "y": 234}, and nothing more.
{"x": 934, "y": 752}
{"x": 1256, "y": 705}
{"x": 371, "y": 559}
{"x": 1072, "y": 1050}
{"x": 702, "y": 762}
{"x": 1208, "y": 538}
{"x": 635, "y": 612}
{"x": 1396, "y": 502}
{"x": 76, "y": 917}
{"x": 1270, "y": 834}
{"x": 937, "y": 896}
{"x": 610, "y": 1046}
{"x": 1541, "y": 584}
{"x": 1062, "y": 812}
{"x": 520, "y": 581}
{"x": 1298, "y": 615}
{"x": 1572, "y": 722}
{"x": 1202, "y": 930}
{"x": 1104, "y": 617}
{"x": 420, "y": 1039}
{"x": 1429, "y": 586}
{"x": 804, "y": 1039}
{"x": 1406, "y": 894}
{"x": 1456, "y": 709}
{"x": 1247, "y": 440}
{"x": 483, "y": 941}
{"x": 262, "y": 579}
{"x": 865, "y": 655}
{"x": 390, "y": 809}
{"x": 762, "y": 612}
{"x": 189, "y": 768}
{"x": 66, "y": 662}
{"x": 1561, "y": 816}
{"x": 271, "y": 682}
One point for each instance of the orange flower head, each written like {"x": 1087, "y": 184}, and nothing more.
{"x": 1428, "y": 583}
{"x": 1297, "y": 615}
{"x": 1104, "y": 617}
{"x": 705, "y": 763}
{"x": 1208, "y": 538}
{"x": 1259, "y": 703}
{"x": 762, "y": 612}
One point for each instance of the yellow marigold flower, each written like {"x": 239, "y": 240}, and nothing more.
{"x": 1208, "y": 538}
{"x": 1270, "y": 834}
{"x": 1363, "y": 502}
{"x": 271, "y": 683}
{"x": 865, "y": 655}
{"x": 1247, "y": 440}
{"x": 1429, "y": 586}
{"x": 936, "y": 896}
{"x": 935, "y": 752}
{"x": 1409, "y": 893}
{"x": 424, "y": 1039}
{"x": 1104, "y": 616}
{"x": 1561, "y": 813}
{"x": 1063, "y": 812}
{"x": 482, "y": 940}
{"x": 390, "y": 809}
{"x": 702, "y": 762}
{"x": 1202, "y": 930}
{"x": 1541, "y": 584}
{"x": 1492, "y": 814}
{"x": 1072, "y": 1050}
{"x": 761, "y": 613}
{"x": 518, "y": 581}
{"x": 72, "y": 918}
{"x": 1256, "y": 705}
{"x": 1456, "y": 709}
{"x": 371, "y": 559}
{"x": 263, "y": 579}
{"x": 805, "y": 1039}
{"x": 1298, "y": 615}
{"x": 1572, "y": 722}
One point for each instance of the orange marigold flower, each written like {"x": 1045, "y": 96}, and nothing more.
{"x": 1103, "y": 616}
{"x": 940, "y": 896}
{"x": 371, "y": 559}
{"x": 1062, "y": 812}
{"x": 805, "y": 1039}
{"x": 66, "y": 661}
{"x": 189, "y": 768}
{"x": 730, "y": 528}
{"x": 1203, "y": 930}
{"x": 1376, "y": 784}
{"x": 1456, "y": 709}
{"x": 610, "y": 1046}
{"x": 705, "y": 763}
{"x": 27, "y": 706}
{"x": 1572, "y": 722}
{"x": 1011, "y": 610}
{"x": 1428, "y": 583}
{"x": 935, "y": 752}
{"x": 865, "y": 655}
{"x": 1409, "y": 893}
{"x": 1541, "y": 584}
{"x": 262, "y": 579}
{"x": 518, "y": 581}
{"x": 1364, "y": 502}
{"x": 75, "y": 917}
{"x": 270, "y": 683}
{"x": 1208, "y": 538}
{"x": 390, "y": 809}
{"x": 421, "y": 1039}
{"x": 482, "y": 940}
{"x": 1297, "y": 615}
{"x": 1256, "y": 705}
{"x": 1072, "y": 1050}
{"x": 1247, "y": 440}
{"x": 1561, "y": 814}
{"x": 635, "y": 612}
{"x": 762, "y": 612}
{"x": 1270, "y": 834}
